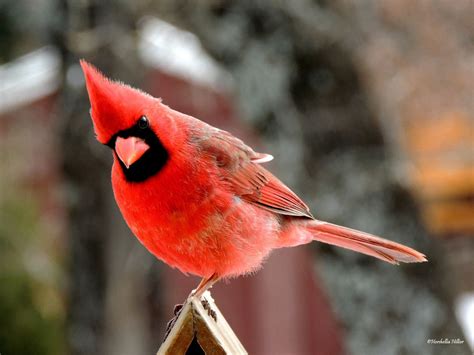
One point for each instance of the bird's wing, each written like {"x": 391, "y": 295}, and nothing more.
{"x": 240, "y": 167}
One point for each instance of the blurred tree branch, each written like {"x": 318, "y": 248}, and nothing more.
{"x": 111, "y": 280}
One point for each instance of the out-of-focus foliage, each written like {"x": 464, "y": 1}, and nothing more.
{"x": 30, "y": 321}
{"x": 24, "y": 25}
{"x": 31, "y": 306}
{"x": 7, "y": 30}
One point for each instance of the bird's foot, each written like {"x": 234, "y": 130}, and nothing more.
{"x": 205, "y": 284}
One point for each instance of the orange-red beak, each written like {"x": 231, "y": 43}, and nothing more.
{"x": 130, "y": 149}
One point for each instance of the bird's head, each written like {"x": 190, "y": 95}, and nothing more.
{"x": 128, "y": 121}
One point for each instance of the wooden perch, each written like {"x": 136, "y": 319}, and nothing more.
{"x": 201, "y": 324}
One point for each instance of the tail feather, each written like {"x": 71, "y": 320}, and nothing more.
{"x": 364, "y": 243}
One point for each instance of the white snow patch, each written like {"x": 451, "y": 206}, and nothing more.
{"x": 179, "y": 53}
{"x": 29, "y": 78}
{"x": 465, "y": 313}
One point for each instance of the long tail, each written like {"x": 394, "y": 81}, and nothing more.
{"x": 364, "y": 243}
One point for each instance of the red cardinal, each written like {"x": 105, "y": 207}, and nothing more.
{"x": 197, "y": 197}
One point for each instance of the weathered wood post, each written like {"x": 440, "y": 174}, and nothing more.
{"x": 201, "y": 327}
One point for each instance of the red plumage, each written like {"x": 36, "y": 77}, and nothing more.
{"x": 197, "y": 197}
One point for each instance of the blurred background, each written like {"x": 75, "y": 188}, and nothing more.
{"x": 368, "y": 108}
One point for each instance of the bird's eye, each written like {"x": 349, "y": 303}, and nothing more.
{"x": 143, "y": 122}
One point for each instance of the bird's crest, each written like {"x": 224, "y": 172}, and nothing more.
{"x": 114, "y": 105}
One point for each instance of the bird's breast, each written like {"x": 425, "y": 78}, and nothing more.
{"x": 194, "y": 223}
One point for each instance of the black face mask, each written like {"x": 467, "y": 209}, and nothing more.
{"x": 152, "y": 161}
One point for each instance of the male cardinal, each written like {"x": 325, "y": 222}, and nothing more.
{"x": 197, "y": 197}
